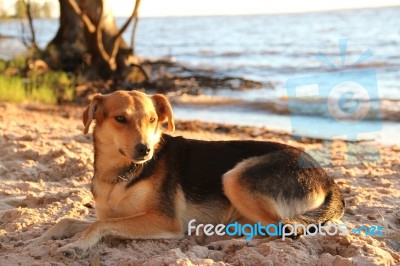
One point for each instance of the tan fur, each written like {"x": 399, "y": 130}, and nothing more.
{"x": 259, "y": 207}
{"x": 132, "y": 211}
{"x": 122, "y": 212}
{"x": 254, "y": 208}
{"x": 117, "y": 202}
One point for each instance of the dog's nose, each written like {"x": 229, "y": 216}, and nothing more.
{"x": 142, "y": 149}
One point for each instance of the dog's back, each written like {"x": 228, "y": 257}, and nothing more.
{"x": 200, "y": 170}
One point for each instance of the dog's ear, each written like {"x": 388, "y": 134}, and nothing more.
{"x": 89, "y": 112}
{"x": 164, "y": 111}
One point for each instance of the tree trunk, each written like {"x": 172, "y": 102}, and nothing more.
{"x": 88, "y": 37}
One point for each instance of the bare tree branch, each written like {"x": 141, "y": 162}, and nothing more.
{"x": 136, "y": 12}
{"x": 24, "y": 40}
{"x": 29, "y": 40}
{"x": 30, "y": 20}
{"x": 86, "y": 20}
{"x": 100, "y": 45}
{"x": 118, "y": 36}
{"x": 96, "y": 29}
{"x": 126, "y": 24}
{"x": 115, "y": 51}
{"x": 109, "y": 57}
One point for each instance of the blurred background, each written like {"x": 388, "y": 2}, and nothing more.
{"x": 249, "y": 48}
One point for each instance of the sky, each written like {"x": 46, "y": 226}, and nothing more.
{"x": 156, "y": 8}
{"x": 239, "y": 7}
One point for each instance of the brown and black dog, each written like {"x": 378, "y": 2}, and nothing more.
{"x": 148, "y": 184}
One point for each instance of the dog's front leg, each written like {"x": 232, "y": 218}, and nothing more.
{"x": 149, "y": 225}
{"x": 67, "y": 227}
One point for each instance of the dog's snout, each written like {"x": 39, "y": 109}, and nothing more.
{"x": 142, "y": 149}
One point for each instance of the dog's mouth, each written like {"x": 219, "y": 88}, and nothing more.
{"x": 136, "y": 159}
{"x": 140, "y": 160}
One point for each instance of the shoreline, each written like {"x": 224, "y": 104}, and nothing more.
{"x": 194, "y": 125}
{"x": 234, "y": 111}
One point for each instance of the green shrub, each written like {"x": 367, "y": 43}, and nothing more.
{"x": 51, "y": 87}
{"x": 11, "y": 89}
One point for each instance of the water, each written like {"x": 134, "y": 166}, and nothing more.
{"x": 274, "y": 49}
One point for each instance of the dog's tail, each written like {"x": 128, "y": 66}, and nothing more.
{"x": 332, "y": 208}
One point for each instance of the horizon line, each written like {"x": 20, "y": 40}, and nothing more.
{"x": 264, "y": 13}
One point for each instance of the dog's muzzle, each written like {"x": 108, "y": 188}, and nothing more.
{"x": 142, "y": 151}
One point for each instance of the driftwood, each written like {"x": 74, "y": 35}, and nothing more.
{"x": 169, "y": 75}
{"x": 165, "y": 75}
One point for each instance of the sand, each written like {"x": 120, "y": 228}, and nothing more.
{"x": 46, "y": 168}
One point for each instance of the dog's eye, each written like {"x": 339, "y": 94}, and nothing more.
{"x": 152, "y": 120}
{"x": 120, "y": 119}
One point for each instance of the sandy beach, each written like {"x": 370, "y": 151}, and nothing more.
{"x": 46, "y": 165}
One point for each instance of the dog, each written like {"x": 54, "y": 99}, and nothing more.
{"x": 148, "y": 184}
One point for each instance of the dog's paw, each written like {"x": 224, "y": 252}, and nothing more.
{"x": 31, "y": 241}
{"x": 36, "y": 241}
{"x": 72, "y": 251}
{"x": 225, "y": 245}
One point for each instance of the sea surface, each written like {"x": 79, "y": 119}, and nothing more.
{"x": 325, "y": 74}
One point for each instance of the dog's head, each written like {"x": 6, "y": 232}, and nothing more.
{"x": 129, "y": 123}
